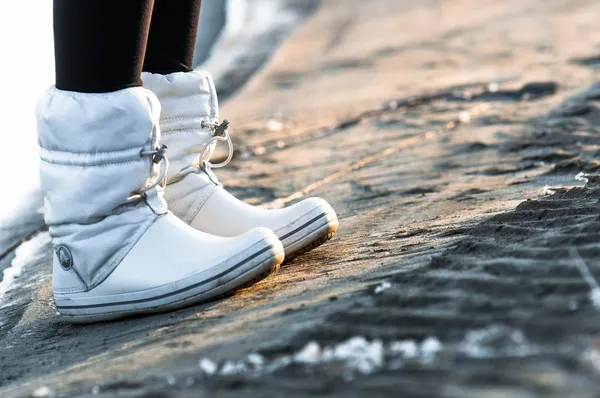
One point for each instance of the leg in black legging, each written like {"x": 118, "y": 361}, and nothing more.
{"x": 100, "y": 44}
{"x": 172, "y": 37}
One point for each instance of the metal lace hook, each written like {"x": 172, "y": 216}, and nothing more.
{"x": 219, "y": 132}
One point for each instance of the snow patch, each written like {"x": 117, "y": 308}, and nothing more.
{"x": 430, "y": 348}
{"x": 496, "y": 341}
{"x": 582, "y": 177}
{"x": 548, "y": 190}
{"x": 408, "y": 348}
{"x": 43, "y": 392}
{"x": 592, "y": 357}
{"x": 207, "y": 366}
{"x": 383, "y": 286}
{"x": 464, "y": 117}
{"x": 29, "y": 252}
{"x": 357, "y": 355}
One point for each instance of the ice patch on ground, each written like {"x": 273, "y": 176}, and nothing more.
{"x": 591, "y": 357}
{"x": 381, "y": 287}
{"x": 357, "y": 355}
{"x": 548, "y": 190}
{"x": 43, "y": 392}
{"x": 496, "y": 341}
{"x": 29, "y": 252}
{"x": 582, "y": 177}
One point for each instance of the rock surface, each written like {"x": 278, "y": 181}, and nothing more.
{"x": 447, "y": 134}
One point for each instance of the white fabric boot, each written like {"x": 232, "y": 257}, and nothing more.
{"x": 190, "y": 128}
{"x": 117, "y": 250}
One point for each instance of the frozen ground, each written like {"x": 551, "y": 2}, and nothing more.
{"x": 448, "y": 135}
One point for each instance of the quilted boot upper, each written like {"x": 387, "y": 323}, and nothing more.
{"x": 99, "y": 170}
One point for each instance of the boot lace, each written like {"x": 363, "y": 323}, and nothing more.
{"x": 219, "y": 133}
{"x": 158, "y": 157}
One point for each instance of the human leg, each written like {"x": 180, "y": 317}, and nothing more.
{"x": 172, "y": 36}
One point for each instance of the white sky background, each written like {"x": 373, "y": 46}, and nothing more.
{"x": 26, "y": 69}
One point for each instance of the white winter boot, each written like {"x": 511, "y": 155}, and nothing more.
{"x": 117, "y": 250}
{"x": 190, "y": 127}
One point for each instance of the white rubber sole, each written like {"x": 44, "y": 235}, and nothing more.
{"x": 308, "y": 232}
{"x": 240, "y": 271}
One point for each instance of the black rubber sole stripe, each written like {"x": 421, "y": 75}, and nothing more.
{"x": 303, "y": 226}
{"x": 168, "y": 294}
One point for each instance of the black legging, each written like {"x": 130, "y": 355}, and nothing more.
{"x": 103, "y": 45}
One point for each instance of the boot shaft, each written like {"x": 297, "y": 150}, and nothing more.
{"x": 189, "y": 102}
{"x": 94, "y": 168}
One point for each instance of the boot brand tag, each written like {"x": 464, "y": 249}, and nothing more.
{"x": 65, "y": 258}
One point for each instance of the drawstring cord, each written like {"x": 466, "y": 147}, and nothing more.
{"x": 219, "y": 132}
{"x": 158, "y": 157}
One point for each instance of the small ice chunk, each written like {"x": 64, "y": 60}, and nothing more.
{"x": 363, "y": 366}
{"x": 232, "y": 368}
{"x": 548, "y": 190}
{"x": 278, "y": 363}
{"x": 328, "y": 354}
{"x": 392, "y": 105}
{"x": 274, "y": 125}
{"x": 280, "y": 144}
{"x": 582, "y": 177}
{"x": 28, "y": 252}
{"x": 573, "y": 306}
{"x": 376, "y": 352}
{"x": 408, "y": 348}
{"x": 352, "y": 347}
{"x": 430, "y": 348}
{"x": 171, "y": 380}
{"x": 43, "y": 392}
{"x": 592, "y": 357}
{"x": 360, "y": 355}
{"x": 310, "y": 354}
{"x": 493, "y": 87}
{"x": 431, "y": 344}
{"x": 245, "y": 155}
{"x": 464, "y": 117}
{"x": 259, "y": 150}
{"x": 595, "y": 297}
{"x": 383, "y": 286}
{"x": 207, "y": 366}
{"x": 256, "y": 359}
{"x": 496, "y": 341}
{"x": 96, "y": 390}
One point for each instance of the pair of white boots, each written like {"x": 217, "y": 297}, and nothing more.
{"x": 118, "y": 251}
